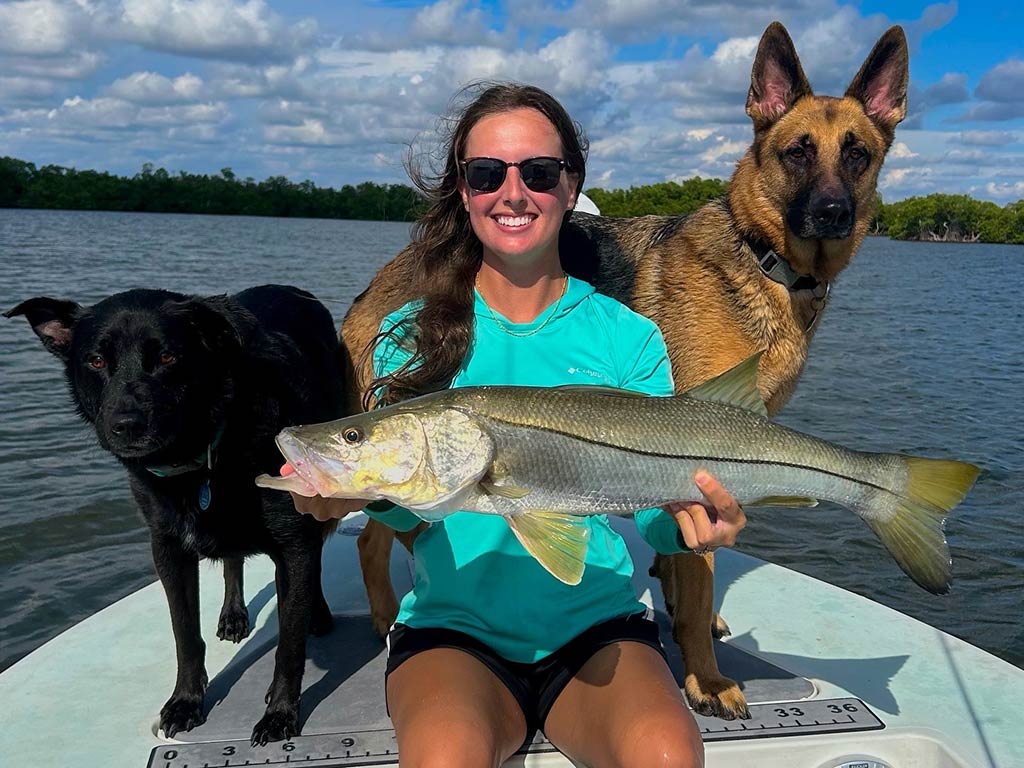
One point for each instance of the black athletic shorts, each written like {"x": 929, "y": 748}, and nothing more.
{"x": 535, "y": 686}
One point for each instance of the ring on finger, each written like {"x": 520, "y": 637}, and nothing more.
{"x": 703, "y": 550}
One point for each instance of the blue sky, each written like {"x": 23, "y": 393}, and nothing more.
{"x": 336, "y": 91}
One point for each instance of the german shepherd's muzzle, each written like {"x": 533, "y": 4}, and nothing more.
{"x": 747, "y": 273}
{"x": 822, "y": 215}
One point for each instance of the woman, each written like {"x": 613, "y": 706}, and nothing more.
{"x": 488, "y": 646}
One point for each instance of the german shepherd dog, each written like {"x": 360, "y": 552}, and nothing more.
{"x": 188, "y": 394}
{"x": 750, "y": 272}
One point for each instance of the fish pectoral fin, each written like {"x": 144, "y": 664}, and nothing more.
{"x": 783, "y": 501}
{"x": 558, "y": 542}
{"x": 505, "y": 491}
{"x": 737, "y": 386}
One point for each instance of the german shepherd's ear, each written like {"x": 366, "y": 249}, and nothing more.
{"x": 52, "y": 320}
{"x": 881, "y": 84}
{"x": 777, "y": 81}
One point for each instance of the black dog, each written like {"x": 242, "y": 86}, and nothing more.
{"x": 188, "y": 393}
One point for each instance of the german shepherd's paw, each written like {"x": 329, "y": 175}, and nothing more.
{"x": 275, "y": 726}
{"x": 182, "y": 712}
{"x": 233, "y": 624}
{"x": 719, "y": 628}
{"x": 383, "y": 611}
{"x": 382, "y": 621}
{"x": 718, "y": 697}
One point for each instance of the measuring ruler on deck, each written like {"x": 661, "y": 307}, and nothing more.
{"x": 793, "y": 718}
{"x": 358, "y": 748}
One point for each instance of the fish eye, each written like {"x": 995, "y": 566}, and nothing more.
{"x": 97, "y": 362}
{"x": 352, "y": 435}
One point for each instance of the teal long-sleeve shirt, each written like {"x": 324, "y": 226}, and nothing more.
{"x": 471, "y": 573}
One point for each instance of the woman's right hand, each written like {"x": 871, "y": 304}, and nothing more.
{"x": 320, "y": 508}
{"x": 327, "y": 509}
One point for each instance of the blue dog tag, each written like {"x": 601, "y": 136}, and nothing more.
{"x": 205, "y": 497}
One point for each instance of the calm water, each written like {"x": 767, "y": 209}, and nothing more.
{"x": 920, "y": 352}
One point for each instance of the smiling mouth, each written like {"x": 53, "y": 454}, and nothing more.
{"x": 514, "y": 222}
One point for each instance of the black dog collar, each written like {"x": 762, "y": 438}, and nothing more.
{"x": 203, "y": 460}
{"x": 776, "y": 268}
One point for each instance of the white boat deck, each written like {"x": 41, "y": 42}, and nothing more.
{"x": 91, "y": 696}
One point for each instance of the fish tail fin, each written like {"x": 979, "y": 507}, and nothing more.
{"x": 558, "y": 542}
{"x": 914, "y": 534}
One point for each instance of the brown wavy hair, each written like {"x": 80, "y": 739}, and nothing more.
{"x": 445, "y": 252}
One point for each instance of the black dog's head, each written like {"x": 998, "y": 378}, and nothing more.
{"x": 151, "y": 370}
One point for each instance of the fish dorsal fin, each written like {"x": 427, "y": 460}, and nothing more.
{"x": 737, "y": 386}
{"x": 597, "y": 389}
{"x": 558, "y": 542}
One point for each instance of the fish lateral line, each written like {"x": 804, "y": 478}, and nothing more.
{"x": 687, "y": 456}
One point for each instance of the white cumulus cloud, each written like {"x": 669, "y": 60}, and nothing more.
{"x": 901, "y": 151}
{"x": 218, "y": 29}
{"x": 154, "y": 88}
{"x": 36, "y": 27}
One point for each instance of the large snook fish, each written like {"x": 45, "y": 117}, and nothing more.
{"x": 544, "y": 457}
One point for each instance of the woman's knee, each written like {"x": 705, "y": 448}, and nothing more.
{"x": 467, "y": 743}
{"x": 662, "y": 743}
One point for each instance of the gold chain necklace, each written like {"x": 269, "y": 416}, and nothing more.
{"x": 523, "y": 334}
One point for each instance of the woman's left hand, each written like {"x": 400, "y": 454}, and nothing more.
{"x": 714, "y": 523}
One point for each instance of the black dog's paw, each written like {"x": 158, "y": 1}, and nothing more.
{"x": 233, "y": 624}
{"x": 182, "y": 712}
{"x": 275, "y": 726}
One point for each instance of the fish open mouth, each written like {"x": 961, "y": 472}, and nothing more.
{"x": 298, "y": 455}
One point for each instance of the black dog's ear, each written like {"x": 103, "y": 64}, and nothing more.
{"x": 52, "y": 320}
{"x": 881, "y": 84}
{"x": 777, "y": 81}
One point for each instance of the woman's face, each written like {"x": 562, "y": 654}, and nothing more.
{"x": 517, "y": 225}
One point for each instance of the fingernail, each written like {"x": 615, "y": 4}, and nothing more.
{"x": 701, "y": 477}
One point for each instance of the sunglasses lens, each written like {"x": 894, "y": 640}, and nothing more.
{"x": 484, "y": 174}
{"x": 541, "y": 173}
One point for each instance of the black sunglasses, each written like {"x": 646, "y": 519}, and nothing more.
{"x": 486, "y": 174}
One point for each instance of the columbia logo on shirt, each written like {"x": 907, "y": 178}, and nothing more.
{"x": 574, "y": 371}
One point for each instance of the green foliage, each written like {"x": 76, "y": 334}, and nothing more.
{"x": 953, "y": 218}
{"x": 665, "y": 199}
{"x": 22, "y": 185}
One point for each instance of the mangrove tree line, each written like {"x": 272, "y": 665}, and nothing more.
{"x": 22, "y": 185}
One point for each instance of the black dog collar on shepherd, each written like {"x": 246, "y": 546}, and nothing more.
{"x": 776, "y": 268}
